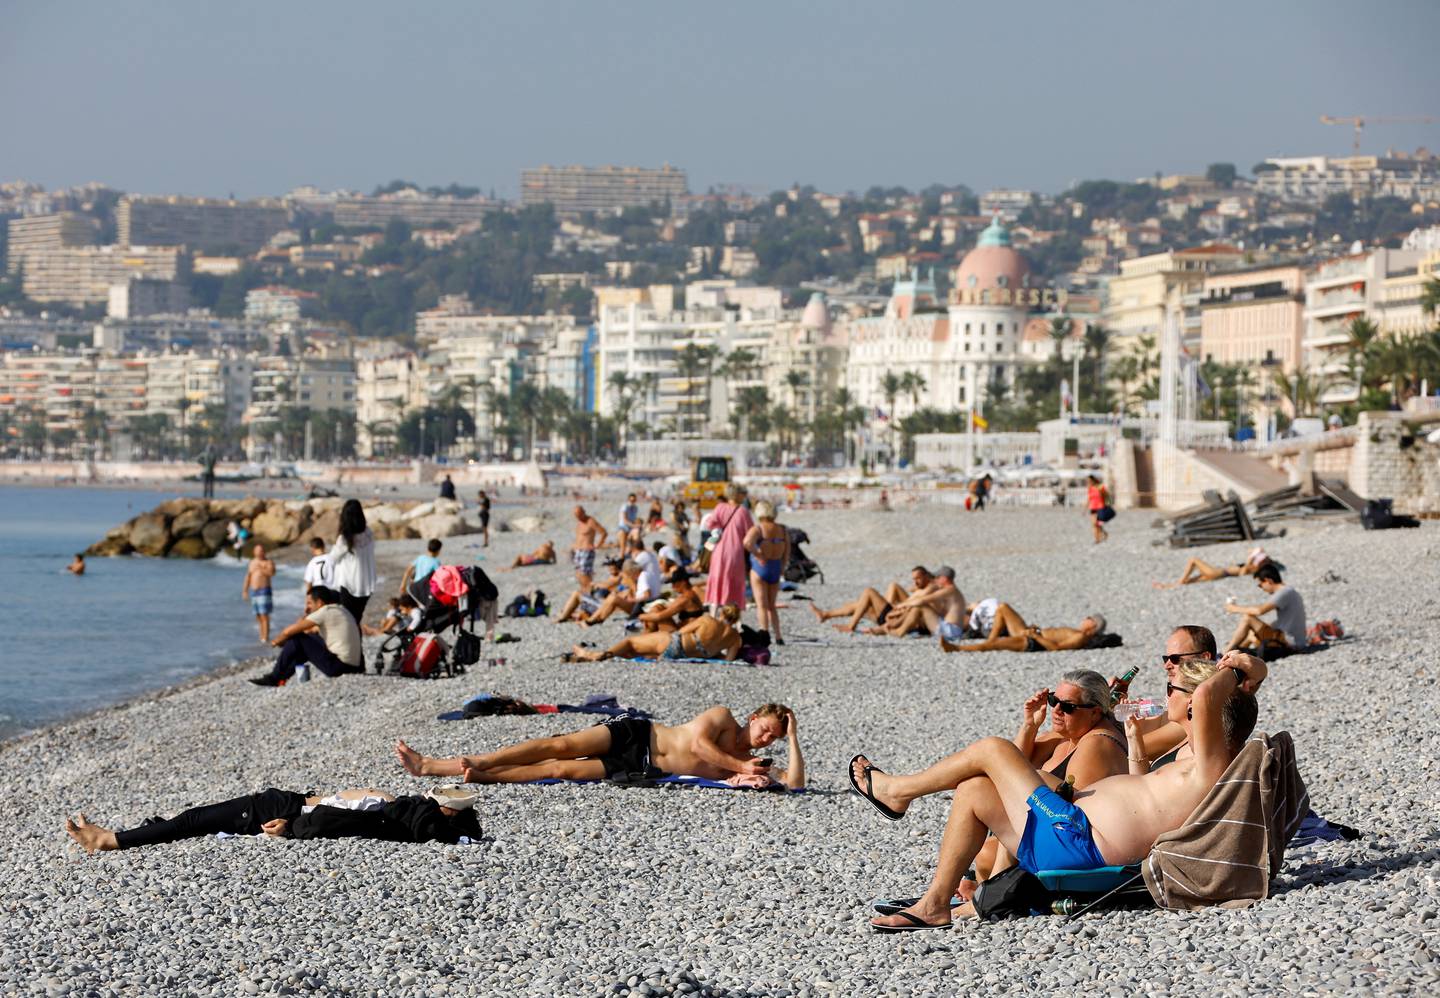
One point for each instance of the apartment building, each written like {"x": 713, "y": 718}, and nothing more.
{"x": 84, "y": 275}
{"x": 1312, "y": 179}
{"x": 39, "y": 233}
{"x": 411, "y": 207}
{"x": 142, "y": 296}
{"x": 1339, "y": 291}
{"x": 205, "y": 225}
{"x": 575, "y": 190}
{"x": 274, "y": 303}
{"x": 1006, "y": 203}
{"x": 1254, "y": 316}
{"x": 1150, "y": 288}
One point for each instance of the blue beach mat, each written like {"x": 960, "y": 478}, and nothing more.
{"x": 496, "y": 705}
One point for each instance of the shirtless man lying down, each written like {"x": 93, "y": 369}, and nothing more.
{"x": 713, "y": 745}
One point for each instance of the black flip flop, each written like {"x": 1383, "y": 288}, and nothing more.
{"x": 885, "y": 811}
{"x": 893, "y": 906}
{"x": 918, "y": 924}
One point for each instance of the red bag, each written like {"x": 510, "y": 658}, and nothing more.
{"x": 423, "y": 657}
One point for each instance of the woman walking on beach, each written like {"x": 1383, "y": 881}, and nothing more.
{"x": 353, "y": 558}
{"x": 769, "y": 549}
{"x": 726, "y": 582}
{"x": 1097, "y": 501}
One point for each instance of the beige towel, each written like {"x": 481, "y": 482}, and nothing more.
{"x": 1232, "y": 846}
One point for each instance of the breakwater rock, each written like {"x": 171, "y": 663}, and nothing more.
{"x": 201, "y": 528}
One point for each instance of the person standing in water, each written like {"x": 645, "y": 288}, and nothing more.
{"x": 256, "y": 588}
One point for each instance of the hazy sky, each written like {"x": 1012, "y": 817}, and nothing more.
{"x": 200, "y": 97}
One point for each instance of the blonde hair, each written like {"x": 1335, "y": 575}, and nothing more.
{"x": 1237, "y": 716}
{"x": 765, "y": 510}
{"x": 728, "y": 614}
{"x": 776, "y": 710}
{"x": 1194, "y": 671}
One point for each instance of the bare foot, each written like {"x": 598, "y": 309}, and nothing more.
{"x": 881, "y": 785}
{"x": 816, "y": 611}
{"x": 964, "y": 912}
{"x": 844, "y": 628}
{"x": 413, "y": 761}
{"x": 92, "y": 838}
{"x": 947, "y": 646}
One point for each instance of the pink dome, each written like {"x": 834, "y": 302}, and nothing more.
{"x": 816, "y": 315}
{"x": 988, "y": 267}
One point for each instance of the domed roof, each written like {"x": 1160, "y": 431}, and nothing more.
{"x": 992, "y": 263}
{"x": 816, "y": 314}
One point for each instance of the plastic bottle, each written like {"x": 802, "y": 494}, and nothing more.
{"x": 1119, "y": 688}
{"x": 1138, "y": 709}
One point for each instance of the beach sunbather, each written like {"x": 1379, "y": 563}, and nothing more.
{"x": 371, "y": 814}
{"x": 1202, "y": 571}
{"x": 684, "y": 605}
{"x": 939, "y": 608}
{"x": 1011, "y": 633}
{"x": 543, "y": 555}
{"x": 1115, "y": 822}
{"x": 712, "y": 745}
{"x": 871, "y": 604}
{"x": 705, "y": 636}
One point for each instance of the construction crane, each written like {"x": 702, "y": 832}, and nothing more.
{"x": 1360, "y": 121}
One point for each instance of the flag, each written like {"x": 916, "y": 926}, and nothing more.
{"x": 1192, "y": 371}
{"x": 979, "y": 422}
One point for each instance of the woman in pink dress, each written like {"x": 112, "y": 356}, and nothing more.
{"x": 726, "y": 582}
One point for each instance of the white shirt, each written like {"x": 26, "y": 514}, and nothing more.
{"x": 982, "y": 618}
{"x": 650, "y": 583}
{"x": 320, "y": 572}
{"x": 354, "y": 571}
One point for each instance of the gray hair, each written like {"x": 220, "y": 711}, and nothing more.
{"x": 1096, "y": 689}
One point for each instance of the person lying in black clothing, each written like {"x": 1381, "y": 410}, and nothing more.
{"x": 285, "y": 814}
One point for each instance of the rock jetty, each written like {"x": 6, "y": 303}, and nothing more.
{"x": 200, "y": 528}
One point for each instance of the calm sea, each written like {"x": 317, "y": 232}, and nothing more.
{"x": 127, "y": 626}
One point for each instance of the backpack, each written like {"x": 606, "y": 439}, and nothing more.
{"x": 423, "y": 657}
{"x": 539, "y": 607}
{"x": 518, "y": 607}
{"x": 1016, "y": 893}
{"x": 466, "y": 650}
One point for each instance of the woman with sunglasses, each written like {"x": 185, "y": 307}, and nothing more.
{"x": 1084, "y": 745}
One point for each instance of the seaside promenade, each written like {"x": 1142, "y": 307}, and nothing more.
{"x": 602, "y": 890}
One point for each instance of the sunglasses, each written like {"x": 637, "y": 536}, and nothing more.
{"x": 1172, "y": 688}
{"x": 1065, "y": 706}
{"x": 1177, "y": 659}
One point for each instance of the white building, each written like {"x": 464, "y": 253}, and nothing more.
{"x": 1337, "y": 292}
{"x": 958, "y": 348}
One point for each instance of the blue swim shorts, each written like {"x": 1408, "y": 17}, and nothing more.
{"x": 262, "y": 601}
{"x": 951, "y": 632}
{"x": 1057, "y": 835}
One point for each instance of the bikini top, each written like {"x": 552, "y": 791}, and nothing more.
{"x": 1059, "y": 771}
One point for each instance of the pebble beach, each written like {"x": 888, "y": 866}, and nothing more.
{"x": 590, "y": 890}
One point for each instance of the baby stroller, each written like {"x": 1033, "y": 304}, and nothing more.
{"x": 450, "y": 599}
{"x": 802, "y": 568}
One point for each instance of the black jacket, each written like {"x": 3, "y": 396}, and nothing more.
{"x": 405, "y": 819}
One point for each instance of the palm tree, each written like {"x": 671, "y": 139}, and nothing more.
{"x": 1127, "y": 372}
{"x": 891, "y": 385}
{"x": 1430, "y": 299}
{"x": 95, "y": 427}
{"x": 624, "y": 387}
{"x": 1148, "y": 354}
{"x": 692, "y": 361}
{"x": 469, "y": 383}
{"x": 913, "y": 383}
{"x": 1097, "y": 341}
{"x": 1360, "y": 334}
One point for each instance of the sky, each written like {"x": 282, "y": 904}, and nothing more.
{"x": 206, "y": 98}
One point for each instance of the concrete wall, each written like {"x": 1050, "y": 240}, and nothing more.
{"x": 1392, "y": 459}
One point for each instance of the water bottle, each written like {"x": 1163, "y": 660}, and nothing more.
{"x": 1138, "y": 709}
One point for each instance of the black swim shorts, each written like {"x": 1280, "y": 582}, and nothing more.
{"x": 629, "y": 753}
{"x": 1032, "y": 645}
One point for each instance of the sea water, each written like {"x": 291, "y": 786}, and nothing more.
{"x": 128, "y": 625}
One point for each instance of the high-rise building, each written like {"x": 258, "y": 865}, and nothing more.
{"x": 574, "y": 190}
{"x": 142, "y": 296}
{"x": 82, "y": 275}
{"x": 1151, "y": 288}
{"x": 35, "y": 233}
{"x": 410, "y": 207}
{"x": 206, "y": 225}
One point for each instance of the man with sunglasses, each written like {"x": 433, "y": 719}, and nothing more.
{"x": 1114, "y": 822}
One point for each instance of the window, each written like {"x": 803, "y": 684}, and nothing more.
{"x": 1003, "y": 280}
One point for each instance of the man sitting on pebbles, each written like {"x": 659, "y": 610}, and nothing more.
{"x": 444, "y": 815}
{"x": 1114, "y": 823}
{"x": 1011, "y": 633}
{"x": 713, "y": 746}
{"x": 873, "y": 605}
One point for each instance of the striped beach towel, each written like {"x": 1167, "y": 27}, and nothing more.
{"x": 1233, "y": 844}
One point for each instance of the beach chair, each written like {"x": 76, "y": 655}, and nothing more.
{"x": 1075, "y": 892}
